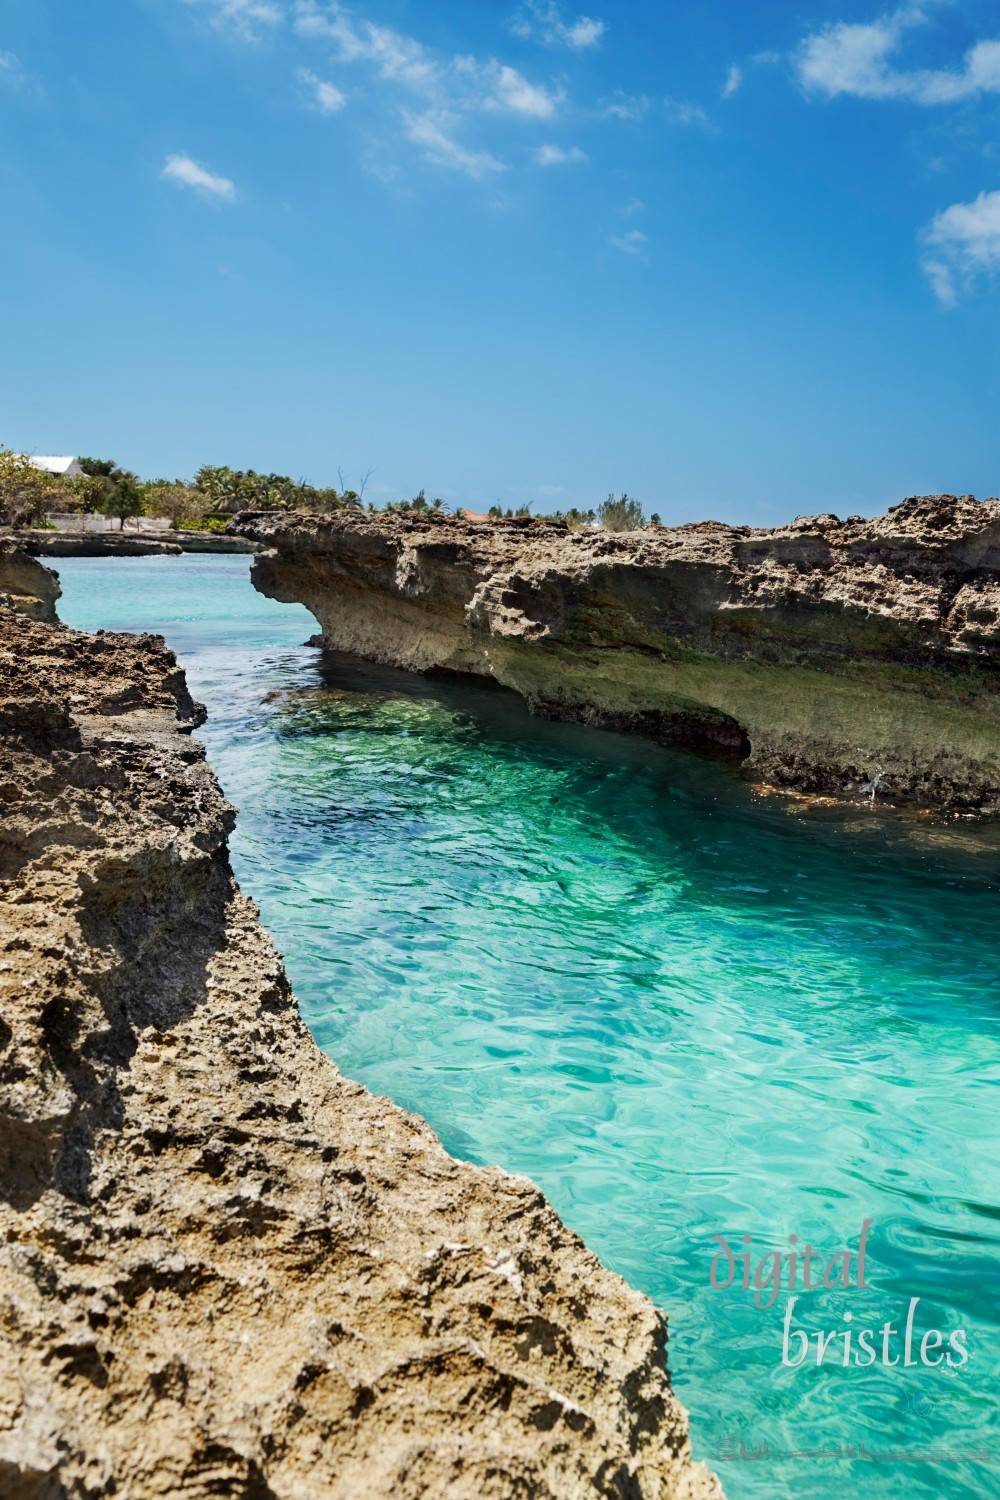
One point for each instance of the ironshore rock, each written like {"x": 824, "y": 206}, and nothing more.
{"x": 225, "y": 1269}
{"x": 825, "y": 655}
{"x": 25, "y": 585}
{"x": 130, "y": 544}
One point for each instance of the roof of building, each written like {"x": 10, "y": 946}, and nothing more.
{"x": 67, "y": 466}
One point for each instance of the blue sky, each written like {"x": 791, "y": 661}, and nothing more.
{"x": 739, "y": 258}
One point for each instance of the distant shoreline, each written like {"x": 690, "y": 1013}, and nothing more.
{"x": 128, "y": 544}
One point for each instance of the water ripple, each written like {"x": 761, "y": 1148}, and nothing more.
{"x": 686, "y": 1011}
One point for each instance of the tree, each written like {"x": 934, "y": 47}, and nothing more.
{"x": 24, "y": 490}
{"x": 123, "y": 499}
{"x": 360, "y": 493}
{"x": 214, "y": 483}
{"x": 622, "y": 514}
{"x": 498, "y": 513}
{"x": 227, "y": 490}
{"x": 77, "y": 492}
{"x": 99, "y": 468}
{"x": 178, "y": 501}
{"x": 577, "y": 519}
{"x": 322, "y": 501}
{"x": 419, "y": 505}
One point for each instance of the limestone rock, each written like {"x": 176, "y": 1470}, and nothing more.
{"x": 225, "y": 1269}
{"x": 821, "y": 654}
{"x": 95, "y": 544}
{"x": 27, "y": 585}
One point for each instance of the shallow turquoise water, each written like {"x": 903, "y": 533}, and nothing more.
{"x": 686, "y": 1011}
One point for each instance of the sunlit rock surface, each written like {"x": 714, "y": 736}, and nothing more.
{"x": 829, "y": 656}
{"x": 25, "y": 584}
{"x": 226, "y": 1270}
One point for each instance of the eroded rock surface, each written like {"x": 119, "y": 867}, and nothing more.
{"x": 130, "y": 544}
{"x": 226, "y": 1270}
{"x": 27, "y": 585}
{"x": 827, "y": 655}
{"x": 96, "y": 544}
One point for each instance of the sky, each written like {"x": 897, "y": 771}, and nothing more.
{"x": 737, "y": 258}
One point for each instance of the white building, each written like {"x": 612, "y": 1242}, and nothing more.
{"x": 66, "y": 468}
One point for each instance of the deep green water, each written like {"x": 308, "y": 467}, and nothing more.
{"x": 683, "y": 1009}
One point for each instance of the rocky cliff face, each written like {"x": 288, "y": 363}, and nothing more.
{"x": 226, "y": 1270}
{"x": 824, "y": 654}
{"x": 26, "y": 585}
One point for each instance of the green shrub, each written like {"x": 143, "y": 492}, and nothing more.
{"x": 24, "y": 490}
{"x": 203, "y": 523}
{"x": 622, "y": 514}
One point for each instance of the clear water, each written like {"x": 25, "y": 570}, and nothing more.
{"x": 683, "y": 1009}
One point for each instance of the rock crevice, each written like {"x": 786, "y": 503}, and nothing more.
{"x": 225, "y": 1269}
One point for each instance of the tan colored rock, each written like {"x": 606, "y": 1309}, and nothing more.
{"x": 28, "y": 585}
{"x": 226, "y": 1270}
{"x": 819, "y": 653}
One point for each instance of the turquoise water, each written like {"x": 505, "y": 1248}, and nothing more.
{"x": 685, "y": 1010}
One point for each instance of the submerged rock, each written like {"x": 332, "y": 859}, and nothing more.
{"x": 826, "y": 655}
{"x": 224, "y": 1268}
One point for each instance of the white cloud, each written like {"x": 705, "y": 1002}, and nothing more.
{"x": 584, "y": 33}
{"x": 683, "y": 112}
{"x": 857, "y": 59}
{"x": 734, "y": 80}
{"x": 541, "y": 21}
{"x": 559, "y": 156}
{"x": 244, "y": 16}
{"x": 430, "y": 132}
{"x": 963, "y": 247}
{"x": 187, "y": 173}
{"x": 506, "y": 88}
{"x": 736, "y": 74}
{"x": 939, "y": 274}
{"x": 846, "y": 59}
{"x": 632, "y": 243}
{"x": 327, "y": 98}
{"x": 393, "y": 55}
{"x": 460, "y": 82}
{"x": 635, "y": 207}
{"x": 449, "y": 90}
{"x": 622, "y": 106}
{"x": 14, "y": 74}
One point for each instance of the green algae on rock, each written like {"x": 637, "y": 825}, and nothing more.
{"x": 827, "y": 656}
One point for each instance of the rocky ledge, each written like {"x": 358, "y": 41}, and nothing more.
{"x": 131, "y": 544}
{"x": 224, "y": 1268}
{"x": 827, "y": 656}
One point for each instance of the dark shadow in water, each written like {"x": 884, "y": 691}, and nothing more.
{"x": 925, "y": 848}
